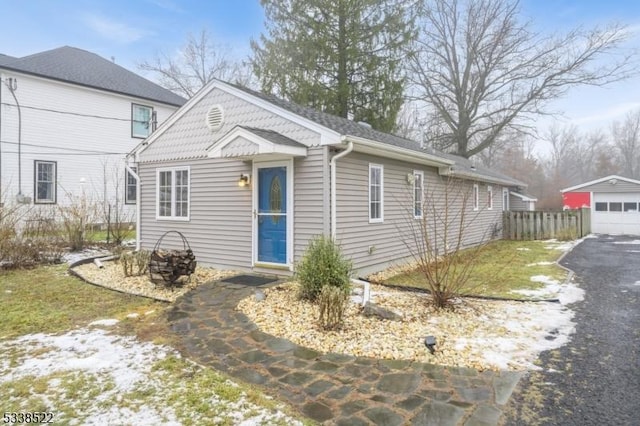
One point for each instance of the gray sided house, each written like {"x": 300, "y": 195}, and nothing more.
{"x": 249, "y": 179}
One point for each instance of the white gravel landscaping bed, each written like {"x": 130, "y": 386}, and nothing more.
{"x": 480, "y": 334}
{"x": 111, "y": 276}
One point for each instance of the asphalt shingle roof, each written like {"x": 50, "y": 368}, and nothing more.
{"x": 6, "y": 59}
{"x": 345, "y": 126}
{"x": 81, "y": 67}
{"x": 271, "y": 136}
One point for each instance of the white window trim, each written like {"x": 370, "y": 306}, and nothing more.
{"x": 418, "y": 174}
{"x": 173, "y": 171}
{"x": 54, "y": 190}
{"x": 505, "y": 196}
{"x": 381, "y": 218}
{"x": 133, "y": 134}
{"x": 489, "y": 197}
{"x": 476, "y": 197}
{"x": 126, "y": 186}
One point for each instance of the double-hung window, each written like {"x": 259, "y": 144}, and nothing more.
{"x": 45, "y": 182}
{"x": 489, "y": 198}
{"x": 376, "y": 193}
{"x": 130, "y": 194}
{"x": 418, "y": 194}
{"x": 141, "y": 120}
{"x": 172, "y": 197}
{"x": 505, "y": 199}
{"x": 476, "y": 197}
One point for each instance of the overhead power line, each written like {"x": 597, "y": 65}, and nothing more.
{"x": 77, "y": 114}
{"x": 79, "y": 150}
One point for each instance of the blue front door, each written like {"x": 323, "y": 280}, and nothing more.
{"x": 272, "y": 215}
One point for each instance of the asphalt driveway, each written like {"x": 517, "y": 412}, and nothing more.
{"x": 595, "y": 378}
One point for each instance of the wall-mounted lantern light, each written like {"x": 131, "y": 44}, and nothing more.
{"x": 245, "y": 180}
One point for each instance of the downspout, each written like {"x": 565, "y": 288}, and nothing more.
{"x": 366, "y": 288}
{"x": 334, "y": 209}
{"x": 137, "y": 178}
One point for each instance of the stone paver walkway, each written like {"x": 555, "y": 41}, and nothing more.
{"x": 333, "y": 388}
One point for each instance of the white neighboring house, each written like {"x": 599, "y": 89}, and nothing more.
{"x": 68, "y": 117}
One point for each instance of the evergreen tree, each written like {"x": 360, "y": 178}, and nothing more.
{"x": 339, "y": 56}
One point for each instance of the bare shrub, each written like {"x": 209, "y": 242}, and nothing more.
{"x": 440, "y": 241}
{"x": 332, "y": 303}
{"x": 76, "y": 218}
{"x": 127, "y": 262}
{"x": 142, "y": 258}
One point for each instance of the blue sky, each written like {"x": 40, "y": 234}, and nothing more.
{"x": 134, "y": 30}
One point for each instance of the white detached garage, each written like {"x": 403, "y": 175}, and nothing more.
{"x": 614, "y": 202}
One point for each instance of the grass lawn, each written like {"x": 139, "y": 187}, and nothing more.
{"x": 169, "y": 389}
{"x": 48, "y": 300}
{"x": 503, "y": 266}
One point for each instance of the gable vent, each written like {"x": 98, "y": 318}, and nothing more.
{"x": 214, "y": 118}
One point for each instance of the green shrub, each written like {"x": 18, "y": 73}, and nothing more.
{"x": 332, "y": 302}
{"x": 322, "y": 265}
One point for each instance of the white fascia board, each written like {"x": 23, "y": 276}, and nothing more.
{"x": 369, "y": 146}
{"x": 522, "y": 196}
{"x": 327, "y": 136}
{"x": 475, "y": 177}
{"x": 173, "y": 118}
{"x": 264, "y": 146}
{"x": 604, "y": 179}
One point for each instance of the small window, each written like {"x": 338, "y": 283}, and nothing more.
{"x": 172, "y": 197}
{"x": 476, "y": 197}
{"x": 615, "y": 207}
{"x": 45, "y": 182}
{"x": 376, "y": 193}
{"x": 489, "y": 198}
{"x": 630, "y": 207}
{"x": 601, "y": 207}
{"x": 418, "y": 194}
{"x": 140, "y": 120}
{"x": 505, "y": 199}
{"x": 130, "y": 194}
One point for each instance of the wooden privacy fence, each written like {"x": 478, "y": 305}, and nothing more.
{"x": 538, "y": 225}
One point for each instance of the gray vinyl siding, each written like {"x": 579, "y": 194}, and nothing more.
{"x": 516, "y": 203}
{"x": 372, "y": 246}
{"x": 189, "y": 137}
{"x": 310, "y": 187}
{"x": 219, "y": 229}
{"x": 220, "y": 225}
{"x": 619, "y": 187}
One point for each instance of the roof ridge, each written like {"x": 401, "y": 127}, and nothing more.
{"x": 79, "y": 66}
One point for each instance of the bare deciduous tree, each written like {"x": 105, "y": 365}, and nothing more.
{"x": 626, "y": 139}
{"x": 481, "y": 69}
{"x": 198, "y": 62}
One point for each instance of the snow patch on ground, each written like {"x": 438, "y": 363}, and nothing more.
{"x": 84, "y": 254}
{"x": 567, "y": 293}
{"x": 529, "y": 328}
{"x": 523, "y": 249}
{"x": 106, "y": 322}
{"x": 541, "y": 263}
{"x": 633, "y": 242}
{"x": 124, "y": 361}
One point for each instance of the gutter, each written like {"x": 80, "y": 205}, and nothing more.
{"x": 416, "y": 156}
{"x": 334, "y": 191}
{"x": 455, "y": 172}
{"x": 138, "y": 215}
